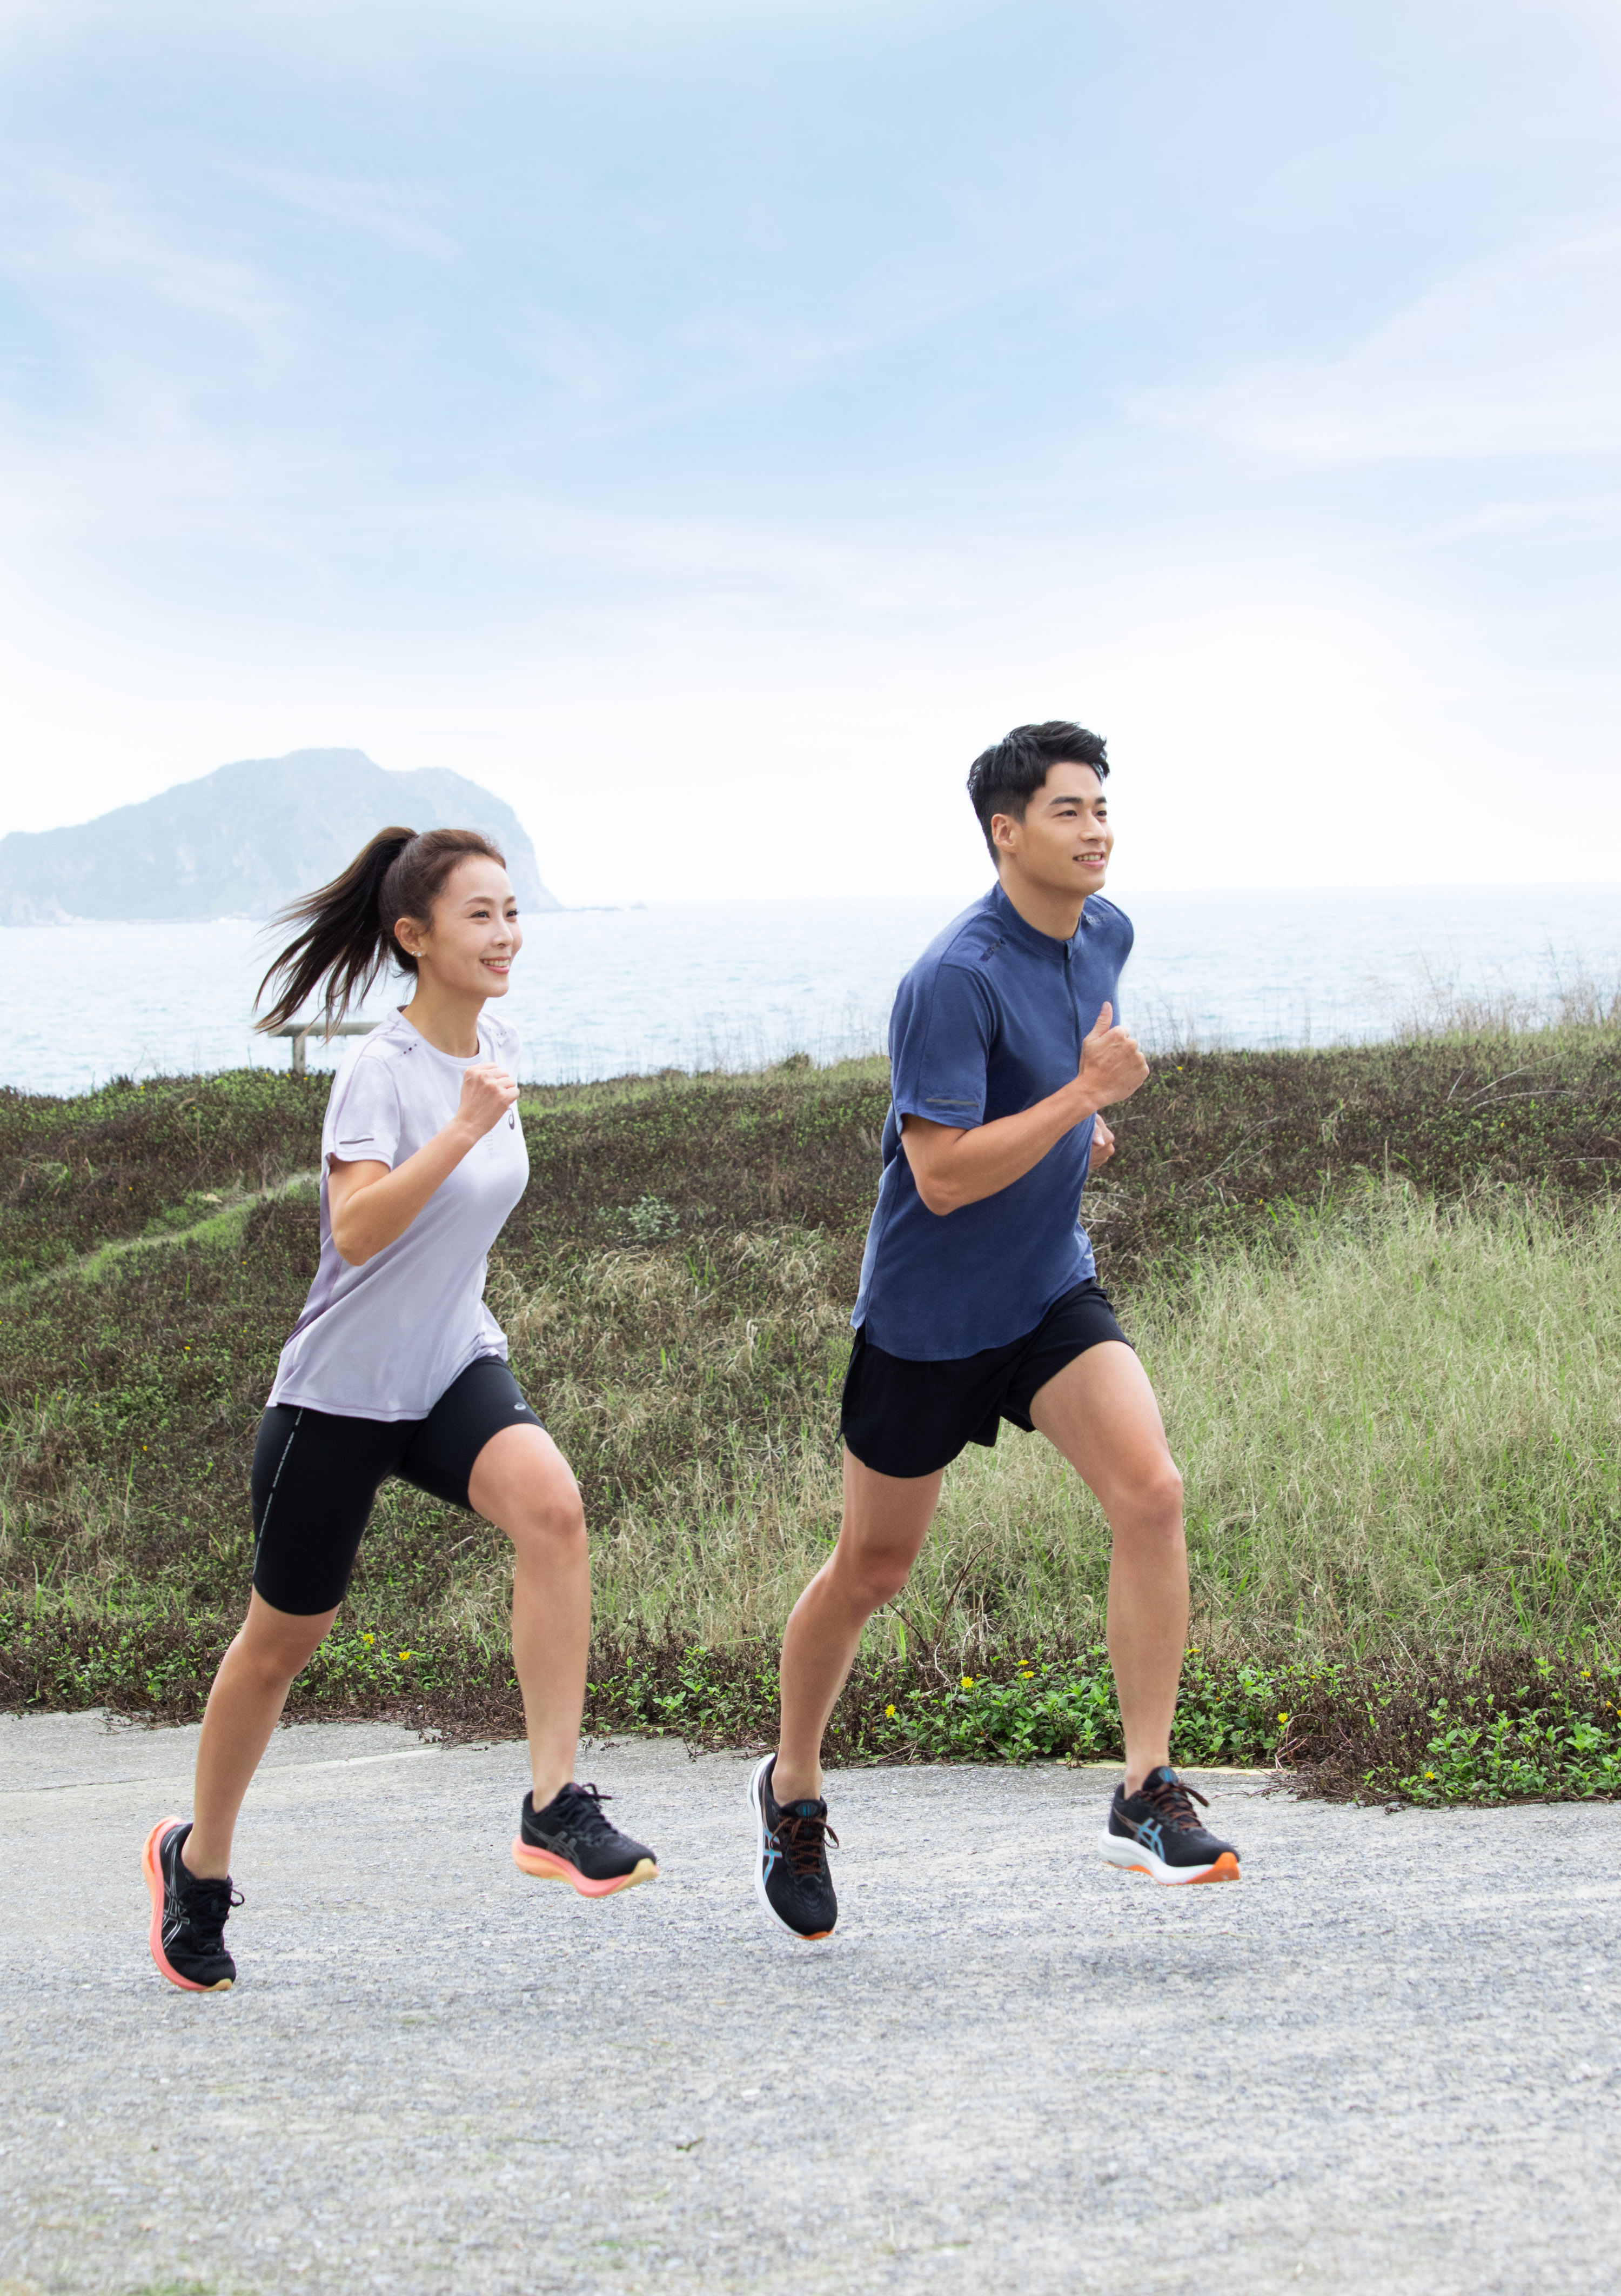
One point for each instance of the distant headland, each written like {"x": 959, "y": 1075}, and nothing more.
{"x": 243, "y": 841}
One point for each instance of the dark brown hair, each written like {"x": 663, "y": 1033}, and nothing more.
{"x": 1005, "y": 777}
{"x": 348, "y": 925}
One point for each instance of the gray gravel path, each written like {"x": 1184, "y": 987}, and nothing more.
{"x": 1389, "y": 2059}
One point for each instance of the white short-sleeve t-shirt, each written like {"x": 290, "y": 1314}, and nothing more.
{"x": 385, "y": 1340}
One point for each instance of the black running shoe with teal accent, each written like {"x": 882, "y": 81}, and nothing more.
{"x": 571, "y": 1841}
{"x": 189, "y": 1914}
{"x": 1156, "y": 1832}
{"x": 792, "y": 1879}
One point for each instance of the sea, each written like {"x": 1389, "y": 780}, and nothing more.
{"x": 600, "y": 993}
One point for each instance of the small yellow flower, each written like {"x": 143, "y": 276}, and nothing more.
{"x": 368, "y": 1640}
{"x": 404, "y": 1655}
{"x": 888, "y": 1713}
{"x": 1027, "y": 1673}
{"x": 968, "y": 1682}
{"x": 1586, "y": 1670}
{"x": 1430, "y": 1776}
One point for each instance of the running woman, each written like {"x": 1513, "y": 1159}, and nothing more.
{"x": 396, "y": 1367}
{"x": 979, "y": 1302}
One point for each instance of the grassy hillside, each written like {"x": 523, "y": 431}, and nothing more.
{"x": 1376, "y": 1287}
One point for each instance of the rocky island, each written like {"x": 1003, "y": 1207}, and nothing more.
{"x": 244, "y": 840}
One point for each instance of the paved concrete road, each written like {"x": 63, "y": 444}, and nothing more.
{"x": 1388, "y": 2060}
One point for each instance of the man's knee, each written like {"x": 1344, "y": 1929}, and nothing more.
{"x": 1165, "y": 1489}
{"x": 1151, "y": 1502}
{"x": 874, "y": 1579}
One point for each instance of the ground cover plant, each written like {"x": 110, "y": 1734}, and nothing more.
{"x": 1376, "y": 1288}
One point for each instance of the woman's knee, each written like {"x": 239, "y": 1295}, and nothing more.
{"x": 553, "y": 1524}
{"x": 279, "y": 1653}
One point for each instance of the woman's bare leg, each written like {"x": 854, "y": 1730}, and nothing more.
{"x": 886, "y": 1521}
{"x": 245, "y": 1704}
{"x": 1100, "y": 1412}
{"x": 522, "y": 1483}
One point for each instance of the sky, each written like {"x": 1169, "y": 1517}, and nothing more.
{"x": 710, "y": 422}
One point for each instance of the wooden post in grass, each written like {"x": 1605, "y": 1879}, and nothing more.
{"x": 299, "y": 1030}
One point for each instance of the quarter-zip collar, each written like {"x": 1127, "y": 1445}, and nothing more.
{"x": 1024, "y": 936}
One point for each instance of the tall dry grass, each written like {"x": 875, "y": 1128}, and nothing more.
{"x": 1397, "y": 1414}
{"x": 1399, "y": 1437}
{"x": 1403, "y": 1436}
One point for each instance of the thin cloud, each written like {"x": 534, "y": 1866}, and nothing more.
{"x": 1522, "y": 357}
{"x": 85, "y": 246}
{"x": 389, "y": 212}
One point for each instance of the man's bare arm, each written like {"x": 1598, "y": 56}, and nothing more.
{"x": 954, "y": 1167}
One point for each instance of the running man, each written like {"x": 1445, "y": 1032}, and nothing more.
{"x": 396, "y": 1367}
{"x": 979, "y": 1302}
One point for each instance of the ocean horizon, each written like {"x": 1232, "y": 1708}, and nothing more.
{"x": 606, "y": 992}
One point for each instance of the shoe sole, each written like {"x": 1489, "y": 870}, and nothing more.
{"x": 756, "y": 1787}
{"x": 545, "y": 1865}
{"x": 154, "y": 1935}
{"x": 1131, "y": 1858}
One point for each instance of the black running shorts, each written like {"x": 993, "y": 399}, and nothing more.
{"x": 902, "y": 1417}
{"x": 316, "y": 1475}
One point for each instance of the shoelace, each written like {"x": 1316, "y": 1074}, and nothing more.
{"x": 801, "y": 1841}
{"x": 583, "y": 1809}
{"x": 1171, "y": 1801}
{"x": 207, "y": 1904}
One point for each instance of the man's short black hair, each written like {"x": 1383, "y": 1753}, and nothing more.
{"x": 1005, "y": 778}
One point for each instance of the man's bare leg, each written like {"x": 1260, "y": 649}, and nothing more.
{"x": 886, "y": 1521}
{"x": 1100, "y": 1412}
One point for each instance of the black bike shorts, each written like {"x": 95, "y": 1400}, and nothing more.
{"x": 902, "y": 1417}
{"x": 317, "y": 1476}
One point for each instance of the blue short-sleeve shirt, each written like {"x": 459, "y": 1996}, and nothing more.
{"x": 989, "y": 1020}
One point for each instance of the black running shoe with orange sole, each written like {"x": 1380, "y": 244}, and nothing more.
{"x": 1156, "y": 1832}
{"x": 792, "y": 1879}
{"x": 189, "y": 1914}
{"x": 571, "y": 1841}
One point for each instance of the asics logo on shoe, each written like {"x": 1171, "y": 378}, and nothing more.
{"x": 571, "y": 1841}
{"x": 1156, "y": 1832}
{"x": 790, "y": 1874}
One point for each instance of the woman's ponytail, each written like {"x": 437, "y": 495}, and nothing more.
{"x": 348, "y": 925}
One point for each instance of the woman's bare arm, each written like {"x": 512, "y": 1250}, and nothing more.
{"x": 371, "y": 1207}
